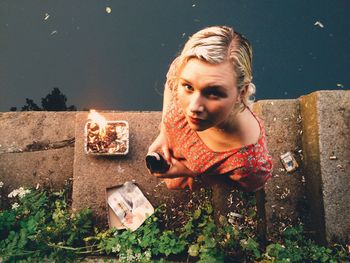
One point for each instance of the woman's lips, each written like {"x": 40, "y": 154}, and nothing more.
{"x": 195, "y": 120}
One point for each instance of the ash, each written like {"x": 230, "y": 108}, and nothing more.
{"x": 113, "y": 139}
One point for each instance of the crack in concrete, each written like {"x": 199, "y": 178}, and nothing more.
{"x": 41, "y": 146}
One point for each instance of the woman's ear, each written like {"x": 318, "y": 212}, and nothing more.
{"x": 243, "y": 91}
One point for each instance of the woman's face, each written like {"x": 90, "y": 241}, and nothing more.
{"x": 207, "y": 93}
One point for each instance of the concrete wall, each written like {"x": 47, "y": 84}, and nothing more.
{"x": 47, "y": 148}
{"x": 326, "y": 144}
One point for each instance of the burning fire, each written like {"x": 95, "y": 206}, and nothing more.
{"x": 99, "y": 119}
{"x": 106, "y": 137}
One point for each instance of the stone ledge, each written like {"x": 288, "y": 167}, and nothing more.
{"x": 323, "y": 132}
{"x": 93, "y": 174}
{"x": 284, "y": 193}
{"x": 326, "y": 145}
{"x": 50, "y": 168}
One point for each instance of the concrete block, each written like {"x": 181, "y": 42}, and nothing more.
{"x": 284, "y": 193}
{"x": 93, "y": 174}
{"x": 50, "y": 168}
{"x": 36, "y": 147}
{"x": 19, "y": 129}
{"x": 326, "y": 129}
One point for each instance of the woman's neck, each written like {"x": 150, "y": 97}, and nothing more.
{"x": 225, "y": 136}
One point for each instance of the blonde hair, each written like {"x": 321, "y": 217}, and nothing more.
{"x": 215, "y": 45}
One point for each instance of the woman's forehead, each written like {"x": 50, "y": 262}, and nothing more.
{"x": 199, "y": 70}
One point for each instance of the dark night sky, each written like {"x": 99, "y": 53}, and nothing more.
{"x": 118, "y": 60}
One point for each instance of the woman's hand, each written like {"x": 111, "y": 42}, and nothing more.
{"x": 161, "y": 143}
{"x": 177, "y": 169}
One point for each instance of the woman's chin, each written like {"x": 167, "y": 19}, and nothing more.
{"x": 197, "y": 127}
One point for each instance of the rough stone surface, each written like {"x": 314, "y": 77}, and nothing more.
{"x": 28, "y": 155}
{"x": 93, "y": 174}
{"x": 19, "y": 129}
{"x": 327, "y": 147}
{"x": 21, "y": 165}
{"x": 50, "y": 168}
{"x": 284, "y": 193}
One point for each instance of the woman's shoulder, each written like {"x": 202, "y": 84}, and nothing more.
{"x": 250, "y": 127}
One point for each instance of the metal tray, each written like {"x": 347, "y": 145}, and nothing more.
{"x": 119, "y": 145}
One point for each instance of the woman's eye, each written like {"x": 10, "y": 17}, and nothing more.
{"x": 214, "y": 94}
{"x": 187, "y": 87}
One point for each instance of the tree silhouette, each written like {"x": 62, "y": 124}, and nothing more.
{"x": 54, "y": 101}
{"x": 30, "y": 106}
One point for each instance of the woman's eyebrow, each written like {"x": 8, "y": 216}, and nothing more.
{"x": 210, "y": 85}
{"x": 215, "y": 87}
{"x": 185, "y": 80}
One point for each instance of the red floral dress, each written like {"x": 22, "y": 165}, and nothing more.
{"x": 252, "y": 163}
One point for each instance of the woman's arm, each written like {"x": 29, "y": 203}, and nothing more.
{"x": 251, "y": 182}
{"x": 177, "y": 169}
{"x": 161, "y": 143}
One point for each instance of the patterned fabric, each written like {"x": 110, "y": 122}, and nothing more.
{"x": 250, "y": 165}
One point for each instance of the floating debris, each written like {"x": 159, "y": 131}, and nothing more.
{"x": 183, "y": 35}
{"x": 46, "y": 17}
{"x": 108, "y": 10}
{"x": 53, "y": 32}
{"x": 194, "y": 5}
{"x": 340, "y": 85}
{"x": 232, "y": 214}
{"x": 318, "y": 23}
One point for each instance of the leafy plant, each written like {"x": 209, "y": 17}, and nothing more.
{"x": 41, "y": 227}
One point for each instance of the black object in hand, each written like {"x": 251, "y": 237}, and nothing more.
{"x": 156, "y": 163}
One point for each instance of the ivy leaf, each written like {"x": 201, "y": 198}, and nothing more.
{"x": 197, "y": 214}
{"x": 193, "y": 250}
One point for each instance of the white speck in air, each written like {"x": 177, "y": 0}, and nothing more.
{"x": 46, "y": 17}
{"x": 318, "y": 23}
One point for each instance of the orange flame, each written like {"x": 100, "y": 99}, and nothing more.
{"x": 99, "y": 119}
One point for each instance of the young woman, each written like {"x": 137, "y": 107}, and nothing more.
{"x": 208, "y": 128}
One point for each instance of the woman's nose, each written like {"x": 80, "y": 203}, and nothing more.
{"x": 196, "y": 104}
